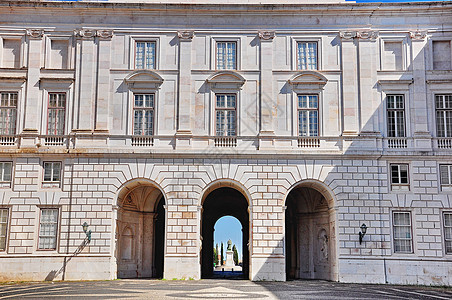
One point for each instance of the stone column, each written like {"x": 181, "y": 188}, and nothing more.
{"x": 33, "y": 93}
{"x": 184, "y": 112}
{"x": 103, "y": 80}
{"x": 350, "y": 112}
{"x": 368, "y": 96}
{"x": 418, "y": 107}
{"x": 85, "y": 80}
{"x": 268, "y": 107}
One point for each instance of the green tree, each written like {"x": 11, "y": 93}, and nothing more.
{"x": 222, "y": 254}
{"x": 235, "y": 255}
{"x": 215, "y": 253}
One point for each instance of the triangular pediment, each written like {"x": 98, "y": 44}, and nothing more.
{"x": 308, "y": 77}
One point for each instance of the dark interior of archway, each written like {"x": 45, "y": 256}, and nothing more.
{"x": 303, "y": 205}
{"x": 159, "y": 238}
{"x": 219, "y": 203}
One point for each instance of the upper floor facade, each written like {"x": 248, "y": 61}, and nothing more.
{"x": 329, "y": 78}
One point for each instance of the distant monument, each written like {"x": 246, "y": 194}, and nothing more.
{"x": 229, "y": 255}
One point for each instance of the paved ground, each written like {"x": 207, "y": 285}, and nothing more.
{"x": 216, "y": 289}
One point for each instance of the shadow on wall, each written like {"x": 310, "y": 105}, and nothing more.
{"x": 55, "y": 273}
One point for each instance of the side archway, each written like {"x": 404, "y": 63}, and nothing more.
{"x": 140, "y": 227}
{"x": 310, "y": 232}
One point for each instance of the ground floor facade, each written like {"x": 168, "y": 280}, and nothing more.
{"x": 154, "y": 217}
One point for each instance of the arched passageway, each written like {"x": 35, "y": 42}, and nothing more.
{"x": 310, "y": 235}
{"x": 224, "y": 201}
{"x": 140, "y": 232}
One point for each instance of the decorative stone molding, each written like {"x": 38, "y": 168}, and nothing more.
{"x": 418, "y": 34}
{"x": 35, "y": 33}
{"x": 266, "y": 35}
{"x": 367, "y": 34}
{"x": 85, "y": 33}
{"x": 226, "y": 80}
{"x": 104, "y": 33}
{"x": 308, "y": 79}
{"x": 143, "y": 80}
{"x": 186, "y": 35}
{"x": 347, "y": 35}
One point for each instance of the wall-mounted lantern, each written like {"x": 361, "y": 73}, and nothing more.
{"x": 86, "y": 231}
{"x": 362, "y": 233}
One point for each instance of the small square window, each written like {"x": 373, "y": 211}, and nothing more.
{"x": 5, "y": 174}
{"x": 447, "y": 217}
{"x": 307, "y": 56}
{"x": 226, "y": 57}
{"x": 52, "y": 174}
{"x": 399, "y": 177}
{"x": 3, "y": 227}
{"x": 48, "y": 229}
{"x": 145, "y": 55}
{"x": 445, "y": 177}
{"x": 402, "y": 232}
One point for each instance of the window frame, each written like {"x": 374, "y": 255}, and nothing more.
{"x": 4, "y": 183}
{"x": 411, "y": 232}
{"x": 298, "y": 110}
{"x": 143, "y": 109}
{"x": 52, "y": 183}
{"x": 403, "y": 110}
{"x": 447, "y": 135}
{"x": 307, "y": 38}
{"x": 213, "y": 52}
{"x": 70, "y": 64}
{"x": 445, "y": 187}
{"x": 316, "y": 56}
{"x": 445, "y": 240}
{"x": 57, "y": 109}
{"x": 216, "y": 108}
{"x": 406, "y": 51}
{"x": 57, "y": 228}
{"x": 8, "y": 221}
{"x": 132, "y": 50}
{"x": 23, "y": 55}
{"x": 430, "y": 52}
{"x": 11, "y": 107}
{"x": 395, "y": 187}
{"x": 145, "y": 55}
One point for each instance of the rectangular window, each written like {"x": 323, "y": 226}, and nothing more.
{"x": 402, "y": 232}
{"x": 226, "y": 116}
{"x": 444, "y": 115}
{"x": 143, "y": 114}
{"x": 396, "y": 115}
{"x": 48, "y": 229}
{"x": 5, "y": 172}
{"x": 392, "y": 56}
{"x": 59, "y": 54}
{"x": 11, "y": 53}
{"x": 226, "y": 55}
{"x": 399, "y": 177}
{"x": 307, "y": 56}
{"x": 3, "y": 227}
{"x": 445, "y": 177}
{"x": 308, "y": 115}
{"x": 442, "y": 55}
{"x": 145, "y": 55}
{"x": 448, "y": 231}
{"x": 56, "y": 113}
{"x": 8, "y": 113}
{"x": 52, "y": 172}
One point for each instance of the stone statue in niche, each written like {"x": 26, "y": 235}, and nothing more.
{"x": 323, "y": 245}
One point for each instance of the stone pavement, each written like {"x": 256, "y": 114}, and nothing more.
{"x": 216, "y": 289}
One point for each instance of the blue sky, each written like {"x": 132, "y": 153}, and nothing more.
{"x": 228, "y": 228}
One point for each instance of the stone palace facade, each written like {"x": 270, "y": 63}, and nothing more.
{"x": 150, "y": 120}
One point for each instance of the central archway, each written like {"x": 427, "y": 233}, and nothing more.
{"x": 223, "y": 201}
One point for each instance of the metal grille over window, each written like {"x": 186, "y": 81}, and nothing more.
{"x": 226, "y": 55}
{"x": 143, "y": 114}
{"x": 56, "y": 113}
{"x": 226, "y": 115}
{"x": 8, "y": 113}
{"x": 448, "y": 232}
{"x": 444, "y": 115}
{"x": 48, "y": 229}
{"x": 396, "y": 115}
{"x": 402, "y": 232}
{"x": 145, "y": 55}
{"x": 3, "y": 227}
{"x": 308, "y": 115}
{"x": 307, "y": 55}
{"x": 5, "y": 172}
{"x": 52, "y": 171}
